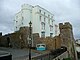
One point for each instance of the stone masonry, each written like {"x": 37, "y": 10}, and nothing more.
{"x": 19, "y": 39}
{"x": 67, "y": 38}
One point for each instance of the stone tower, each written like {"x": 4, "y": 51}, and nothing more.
{"x": 67, "y": 38}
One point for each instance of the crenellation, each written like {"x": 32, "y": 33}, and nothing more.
{"x": 60, "y": 25}
{"x": 66, "y": 25}
{"x": 66, "y": 34}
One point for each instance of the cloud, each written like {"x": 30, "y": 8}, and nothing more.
{"x": 63, "y": 10}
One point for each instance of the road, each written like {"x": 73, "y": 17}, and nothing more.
{"x": 18, "y": 54}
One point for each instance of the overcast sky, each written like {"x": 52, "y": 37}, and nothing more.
{"x": 63, "y": 10}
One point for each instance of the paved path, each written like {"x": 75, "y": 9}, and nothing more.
{"x": 18, "y": 54}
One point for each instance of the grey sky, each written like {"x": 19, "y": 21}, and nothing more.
{"x": 63, "y": 10}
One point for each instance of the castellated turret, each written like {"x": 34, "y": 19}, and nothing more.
{"x": 66, "y": 31}
{"x": 26, "y": 6}
{"x": 67, "y": 37}
{"x": 66, "y": 25}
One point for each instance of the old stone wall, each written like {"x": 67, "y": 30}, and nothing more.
{"x": 10, "y": 39}
{"x": 67, "y": 38}
{"x": 51, "y": 43}
{"x": 17, "y": 39}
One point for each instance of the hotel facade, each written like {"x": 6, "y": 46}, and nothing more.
{"x": 42, "y": 20}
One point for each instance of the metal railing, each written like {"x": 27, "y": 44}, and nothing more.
{"x": 56, "y": 54}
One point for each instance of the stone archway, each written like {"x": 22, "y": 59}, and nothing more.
{"x": 8, "y": 42}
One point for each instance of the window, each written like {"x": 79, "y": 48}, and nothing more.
{"x": 40, "y": 11}
{"x": 16, "y": 27}
{"x": 40, "y": 45}
{"x": 40, "y": 18}
{"x": 51, "y": 28}
{"x": 44, "y": 19}
{"x": 43, "y": 25}
{"x": 51, "y": 34}
{"x": 51, "y": 17}
{"x": 16, "y": 17}
{"x": 22, "y": 23}
{"x": 48, "y": 19}
{"x": 48, "y": 16}
{"x": 42, "y": 34}
{"x": 52, "y": 22}
{"x": 16, "y": 21}
{"x": 44, "y": 13}
{"x": 22, "y": 18}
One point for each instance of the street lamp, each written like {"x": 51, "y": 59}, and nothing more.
{"x": 30, "y": 39}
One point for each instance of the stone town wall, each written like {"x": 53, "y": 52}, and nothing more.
{"x": 67, "y": 37}
{"x": 17, "y": 39}
{"x": 51, "y": 43}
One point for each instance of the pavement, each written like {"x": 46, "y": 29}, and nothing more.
{"x": 19, "y": 54}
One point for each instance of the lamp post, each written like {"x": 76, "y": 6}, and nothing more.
{"x": 30, "y": 39}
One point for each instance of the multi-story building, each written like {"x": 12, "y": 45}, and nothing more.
{"x": 77, "y": 44}
{"x": 42, "y": 20}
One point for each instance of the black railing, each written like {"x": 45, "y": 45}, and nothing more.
{"x": 8, "y": 57}
{"x": 53, "y": 54}
{"x": 5, "y": 55}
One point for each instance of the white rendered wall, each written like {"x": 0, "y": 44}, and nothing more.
{"x": 17, "y": 21}
{"x": 26, "y": 14}
{"x": 23, "y": 17}
{"x": 29, "y": 13}
{"x": 57, "y": 32}
{"x": 37, "y": 28}
{"x": 35, "y": 21}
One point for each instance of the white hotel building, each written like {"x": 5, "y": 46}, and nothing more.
{"x": 42, "y": 20}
